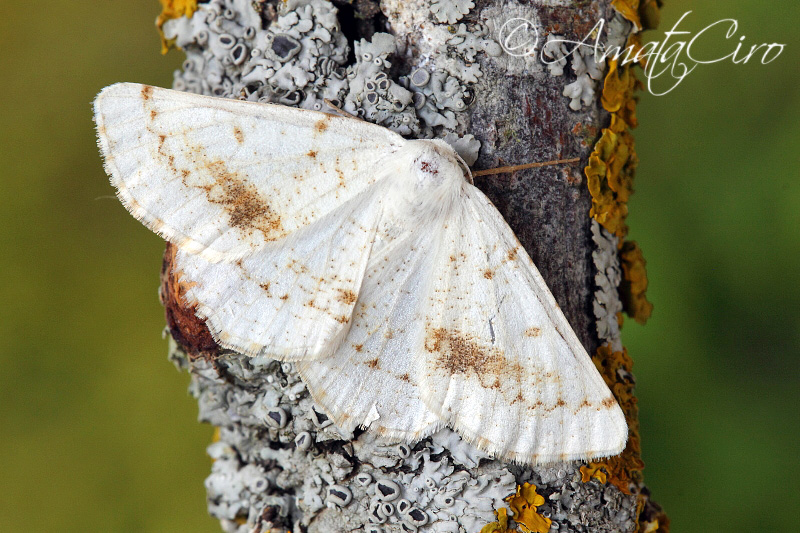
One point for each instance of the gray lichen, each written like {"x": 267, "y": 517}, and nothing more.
{"x": 281, "y": 463}
{"x": 450, "y": 11}
{"x": 607, "y": 304}
{"x": 300, "y": 60}
{"x": 582, "y": 57}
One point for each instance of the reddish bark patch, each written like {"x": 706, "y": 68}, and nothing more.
{"x": 189, "y": 331}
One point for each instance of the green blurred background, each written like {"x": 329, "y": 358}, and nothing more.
{"x": 99, "y": 432}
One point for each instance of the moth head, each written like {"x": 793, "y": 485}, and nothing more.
{"x": 434, "y": 164}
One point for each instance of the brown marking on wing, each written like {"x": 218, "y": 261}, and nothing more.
{"x": 608, "y": 403}
{"x": 285, "y": 297}
{"x": 265, "y": 287}
{"x": 405, "y": 377}
{"x": 312, "y": 154}
{"x": 584, "y": 404}
{"x": 459, "y": 354}
{"x": 512, "y": 254}
{"x": 247, "y": 209}
{"x": 322, "y": 124}
{"x": 533, "y": 332}
{"x": 488, "y": 273}
{"x": 347, "y": 297}
{"x": 359, "y": 347}
{"x": 153, "y": 114}
{"x": 373, "y": 363}
{"x": 147, "y": 92}
{"x": 237, "y": 132}
{"x": 339, "y": 173}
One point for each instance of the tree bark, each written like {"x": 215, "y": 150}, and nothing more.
{"x": 424, "y": 69}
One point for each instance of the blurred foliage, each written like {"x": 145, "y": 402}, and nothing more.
{"x": 100, "y": 434}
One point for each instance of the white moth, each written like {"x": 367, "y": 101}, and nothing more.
{"x": 370, "y": 261}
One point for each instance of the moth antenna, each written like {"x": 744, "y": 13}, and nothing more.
{"x": 341, "y": 111}
{"x": 512, "y": 168}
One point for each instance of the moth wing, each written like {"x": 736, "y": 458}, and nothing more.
{"x": 499, "y": 361}
{"x": 371, "y": 379}
{"x": 291, "y": 299}
{"x": 221, "y": 177}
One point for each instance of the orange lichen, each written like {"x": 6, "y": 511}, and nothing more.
{"x": 624, "y": 469}
{"x": 523, "y": 504}
{"x": 618, "y": 94}
{"x": 630, "y": 10}
{"x": 634, "y": 283}
{"x": 610, "y": 179}
{"x": 611, "y": 169}
{"x": 173, "y": 9}
{"x": 501, "y": 526}
{"x": 652, "y": 518}
{"x": 593, "y": 471}
{"x": 645, "y": 14}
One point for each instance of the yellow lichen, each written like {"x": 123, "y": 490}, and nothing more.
{"x": 628, "y": 9}
{"x": 593, "y": 471}
{"x": 624, "y": 469}
{"x": 611, "y": 169}
{"x": 173, "y": 9}
{"x": 634, "y": 283}
{"x": 523, "y": 504}
{"x": 609, "y": 174}
{"x": 610, "y": 179}
{"x": 501, "y": 526}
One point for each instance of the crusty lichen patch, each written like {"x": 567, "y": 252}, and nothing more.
{"x": 173, "y": 9}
